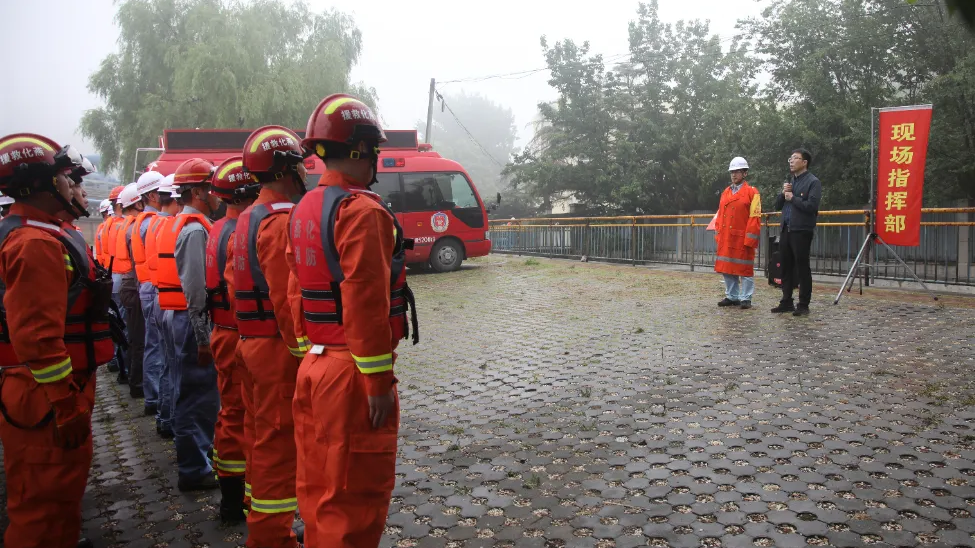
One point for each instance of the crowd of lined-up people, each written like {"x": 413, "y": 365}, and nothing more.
{"x": 257, "y": 320}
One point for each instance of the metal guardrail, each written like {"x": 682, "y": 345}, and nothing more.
{"x": 946, "y": 253}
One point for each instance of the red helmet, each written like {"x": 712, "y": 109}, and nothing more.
{"x": 25, "y": 157}
{"x": 337, "y": 126}
{"x": 195, "y": 171}
{"x": 113, "y": 196}
{"x": 231, "y": 183}
{"x": 271, "y": 151}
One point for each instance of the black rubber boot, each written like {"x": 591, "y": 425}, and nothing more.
{"x": 85, "y": 543}
{"x": 232, "y": 500}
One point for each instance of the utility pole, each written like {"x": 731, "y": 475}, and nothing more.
{"x": 433, "y": 90}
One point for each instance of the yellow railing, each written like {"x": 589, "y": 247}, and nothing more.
{"x": 945, "y": 254}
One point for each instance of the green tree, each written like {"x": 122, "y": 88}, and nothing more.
{"x": 655, "y": 132}
{"x": 209, "y": 64}
{"x": 489, "y": 146}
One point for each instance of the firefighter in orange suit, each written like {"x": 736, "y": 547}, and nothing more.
{"x": 47, "y": 356}
{"x": 270, "y": 347}
{"x": 111, "y": 238}
{"x": 105, "y": 210}
{"x": 347, "y": 254}
{"x": 739, "y": 227}
{"x": 181, "y": 274}
{"x": 169, "y": 208}
{"x": 229, "y": 458}
{"x": 135, "y": 325}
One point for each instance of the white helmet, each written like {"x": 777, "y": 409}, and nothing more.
{"x": 149, "y": 181}
{"x": 166, "y": 185}
{"x": 129, "y": 195}
{"x": 737, "y": 163}
{"x": 5, "y": 200}
{"x": 105, "y": 206}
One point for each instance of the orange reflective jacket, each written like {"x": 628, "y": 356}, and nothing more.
{"x": 139, "y": 246}
{"x": 171, "y": 295}
{"x": 739, "y": 227}
{"x": 54, "y": 299}
{"x": 347, "y": 254}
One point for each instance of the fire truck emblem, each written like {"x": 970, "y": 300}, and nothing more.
{"x": 439, "y": 222}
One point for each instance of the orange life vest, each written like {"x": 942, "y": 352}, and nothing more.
{"x": 101, "y": 254}
{"x": 218, "y": 299}
{"x": 312, "y": 232}
{"x": 123, "y": 262}
{"x": 111, "y": 236}
{"x": 139, "y": 246}
{"x": 171, "y": 295}
{"x": 152, "y": 240}
{"x": 255, "y": 313}
{"x": 87, "y": 335}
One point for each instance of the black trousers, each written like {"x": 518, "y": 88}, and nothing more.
{"x": 129, "y": 295}
{"x": 794, "y": 250}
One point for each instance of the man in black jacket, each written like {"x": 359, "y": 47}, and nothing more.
{"x": 799, "y": 203}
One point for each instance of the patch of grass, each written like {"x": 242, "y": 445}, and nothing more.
{"x": 585, "y": 391}
{"x": 463, "y": 490}
{"x": 968, "y": 401}
{"x": 638, "y": 331}
{"x": 930, "y": 390}
{"x": 455, "y": 430}
{"x": 532, "y": 262}
{"x": 454, "y": 447}
{"x": 533, "y": 482}
{"x": 588, "y": 426}
{"x": 512, "y": 474}
{"x": 882, "y": 373}
{"x": 730, "y": 386}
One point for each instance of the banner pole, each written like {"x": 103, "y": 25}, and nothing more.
{"x": 872, "y": 228}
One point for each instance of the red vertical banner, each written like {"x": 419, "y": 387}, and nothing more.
{"x": 902, "y": 151}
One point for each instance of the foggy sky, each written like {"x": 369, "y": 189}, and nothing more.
{"x": 404, "y": 45}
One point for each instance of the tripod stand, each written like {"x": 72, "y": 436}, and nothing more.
{"x": 857, "y": 265}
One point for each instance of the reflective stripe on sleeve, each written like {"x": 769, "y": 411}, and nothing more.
{"x": 53, "y": 373}
{"x": 374, "y": 364}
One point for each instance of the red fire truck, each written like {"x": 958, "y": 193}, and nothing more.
{"x": 433, "y": 198}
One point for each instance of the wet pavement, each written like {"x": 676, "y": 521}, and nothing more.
{"x": 555, "y": 404}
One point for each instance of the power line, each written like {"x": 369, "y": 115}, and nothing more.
{"x": 471, "y": 136}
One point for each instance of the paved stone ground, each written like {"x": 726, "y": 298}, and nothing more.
{"x": 554, "y": 404}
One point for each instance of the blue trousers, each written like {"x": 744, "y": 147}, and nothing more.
{"x": 164, "y": 409}
{"x": 197, "y": 399}
{"x": 739, "y": 291}
{"x": 152, "y": 361}
{"x": 116, "y": 287}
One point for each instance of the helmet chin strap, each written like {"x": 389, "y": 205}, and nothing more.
{"x": 83, "y": 212}
{"x": 69, "y": 206}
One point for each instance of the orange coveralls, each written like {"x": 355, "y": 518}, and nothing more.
{"x": 346, "y": 469}
{"x": 45, "y": 483}
{"x": 240, "y": 375}
{"x": 228, "y": 440}
{"x": 272, "y": 365}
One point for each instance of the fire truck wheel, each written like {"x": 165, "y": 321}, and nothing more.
{"x": 446, "y": 256}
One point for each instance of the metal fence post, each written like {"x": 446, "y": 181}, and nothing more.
{"x": 585, "y": 239}
{"x": 633, "y": 242}
{"x": 693, "y": 248}
{"x": 868, "y": 230}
